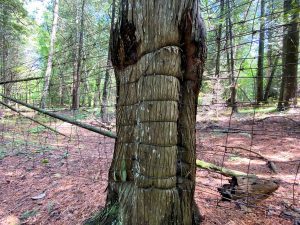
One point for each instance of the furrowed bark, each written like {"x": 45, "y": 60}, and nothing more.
{"x": 158, "y": 54}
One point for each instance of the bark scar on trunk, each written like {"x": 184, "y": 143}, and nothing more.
{"x": 124, "y": 52}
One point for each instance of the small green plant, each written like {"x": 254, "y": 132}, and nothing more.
{"x": 27, "y": 214}
{"x": 50, "y": 207}
{"x": 45, "y": 161}
{"x": 80, "y": 115}
{"x": 3, "y": 154}
{"x": 65, "y": 155}
{"x": 37, "y": 130}
{"x": 270, "y": 109}
{"x": 235, "y": 158}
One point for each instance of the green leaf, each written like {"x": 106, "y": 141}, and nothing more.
{"x": 123, "y": 170}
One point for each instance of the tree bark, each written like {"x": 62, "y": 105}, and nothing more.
{"x": 158, "y": 54}
{"x": 108, "y": 64}
{"x": 260, "y": 61}
{"x": 78, "y": 57}
{"x": 50, "y": 56}
{"x": 288, "y": 92}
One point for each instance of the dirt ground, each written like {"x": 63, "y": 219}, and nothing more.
{"x": 47, "y": 179}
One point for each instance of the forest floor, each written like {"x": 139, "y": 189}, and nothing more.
{"x": 47, "y": 179}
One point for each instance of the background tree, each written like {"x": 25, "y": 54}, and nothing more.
{"x": 290, "y": 50}
{"x": 77, "y": 70}
{"x": 50, "y": 56}
{"x": 107, "y": 72}
{"x": 273, "y": 53}
{"x": 230, "y": 58}
{"x": 11, "y": 35}
{"x": 261, "y": 55}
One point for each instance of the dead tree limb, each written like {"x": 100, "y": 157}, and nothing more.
{"x": 64, "y": 118}
{"x": 20, "y": 80}
{"x": 221, "y": 170}
{"x": 269, "y": 163}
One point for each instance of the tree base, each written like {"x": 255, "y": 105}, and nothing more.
{"x": 107, "y": 216}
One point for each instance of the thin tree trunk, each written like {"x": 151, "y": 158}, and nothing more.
{"x": 4, "y": 49}
{"x": 107, "y": 74}
{"x": 260, "y": 62}
{"x": 270, "y": 80}
{"x": 97, "y": 94}
{"x": 218, "y": 58}
{"x": 50, "y": 56}
{"x": 78, "y": 57}
{"x": 62, "y": 91}
{"x": 272, "y": 63}
{"x": 158, "y": 56}
{"x": 288, "y": 92}
{"x": 233, "y": 91}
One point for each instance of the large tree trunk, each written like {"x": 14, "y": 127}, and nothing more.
{"x": 50, "y": 56}
{"x": 260, "y": 61}
{"x": 78, "y": 56}
{"x": 158, "y": 54}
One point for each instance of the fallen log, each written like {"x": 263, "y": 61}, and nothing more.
{"x": 221, "y": 170}
{"x": 242, "y": 186}
{"x": 64, "y": 118}
{"x": 20, "y": 80}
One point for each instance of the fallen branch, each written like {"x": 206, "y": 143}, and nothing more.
{"x": 21, "y": 80}
{"x": 64, "y": 118}
{"x": 270, "y": 163}
{"x": 221, "y": 170}
{"x": 245, "y": 149}
{"x": 29, "y": 118}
